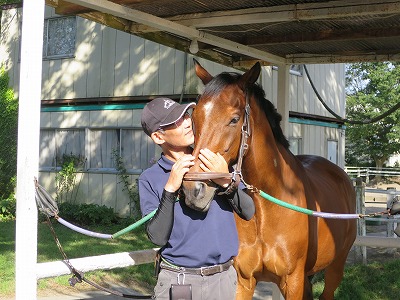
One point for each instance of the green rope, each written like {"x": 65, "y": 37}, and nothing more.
{"x": 135, "y": 225}
{"x": 285, "y": 204}
{"x": 309, "y": 212}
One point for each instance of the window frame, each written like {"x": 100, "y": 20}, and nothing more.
{"x": 299, "y": 141}
{"x": 46, "y": 39}
{"x": 145, "y": 144}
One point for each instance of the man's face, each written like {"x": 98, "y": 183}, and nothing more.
{"x": 179, "y": 134}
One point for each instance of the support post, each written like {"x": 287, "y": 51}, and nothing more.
{"x": 360, "y": 251}
{"x": 389, "y": 200}
{"x": 28, "y": 148}
{"x": 283, "y": 96}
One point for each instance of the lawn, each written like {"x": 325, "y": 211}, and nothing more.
{"x": 375, "y": 281}
{"x": 77, "y": 245}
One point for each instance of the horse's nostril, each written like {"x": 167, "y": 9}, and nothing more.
{"x": 199, "y": 190}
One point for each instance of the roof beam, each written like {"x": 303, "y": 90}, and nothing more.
{"x": 64, "y": 7}
{"x": 323, "y": 36}
{"x": 307, "y": 58}
{"x": 286, "y": 13}
{"x": 175, "y": 28}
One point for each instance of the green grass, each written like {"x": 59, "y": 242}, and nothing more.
{"x": 375, "y": 281}
{"x": 77, "y": 245}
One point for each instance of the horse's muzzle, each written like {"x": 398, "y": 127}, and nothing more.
{"x": 198, "y": 194}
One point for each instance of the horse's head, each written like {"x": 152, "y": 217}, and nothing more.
{"x": 218, "y": 119}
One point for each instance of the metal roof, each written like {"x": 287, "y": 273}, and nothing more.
{"x": 237, "y": 33}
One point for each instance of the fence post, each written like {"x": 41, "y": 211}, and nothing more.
{"x": 360, "y": 251}
{"x": 389, "y": 200}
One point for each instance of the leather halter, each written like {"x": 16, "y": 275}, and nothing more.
{"x": 236, "y": 176}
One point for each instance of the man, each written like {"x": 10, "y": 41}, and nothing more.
{"x": 197, "y": 248}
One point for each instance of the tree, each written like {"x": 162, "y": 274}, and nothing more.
{"x": 8, "y": 137}
{"x": 372, "y": 89}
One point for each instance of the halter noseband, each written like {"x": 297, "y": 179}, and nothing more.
{"x": 236, "y": 176}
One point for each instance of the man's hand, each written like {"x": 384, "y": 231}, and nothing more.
{"x": 179, "y": 169}
{"x": 214, "y": 162}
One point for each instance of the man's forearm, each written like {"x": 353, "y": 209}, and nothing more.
{"x": 160, "y": 226}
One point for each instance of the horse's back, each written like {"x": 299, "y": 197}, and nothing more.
{"x": 329, "y": 181}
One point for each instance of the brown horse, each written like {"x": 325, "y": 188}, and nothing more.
{"x": 278, "y": 244}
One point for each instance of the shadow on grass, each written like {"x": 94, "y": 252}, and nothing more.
{"x": 77, "y": 245}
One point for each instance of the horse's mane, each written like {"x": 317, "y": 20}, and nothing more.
{"x": 220, "y": 81}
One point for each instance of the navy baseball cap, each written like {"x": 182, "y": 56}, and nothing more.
{"x": 162, "y": 112}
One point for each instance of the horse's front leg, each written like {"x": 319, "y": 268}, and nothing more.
{"x": 247, "y": 265}
{"x": 245, "y": 288}
{"x": 296, "y": 286}
{"x": 249, "y": 259}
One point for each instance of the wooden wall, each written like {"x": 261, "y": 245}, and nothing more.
{"x": 111, "y": 63}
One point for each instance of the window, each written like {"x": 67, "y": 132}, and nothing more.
{"x": 102, "y": 143}
{"x": 98, "y": 148}
{"x": 332, "y": 151}
{"x": 54, "y": 144}
{"x": 295, "y": 145}
{"x": 137, "y": 149}
{"x": 59, "y": 37}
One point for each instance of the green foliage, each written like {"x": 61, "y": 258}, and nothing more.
{"x": 7, "y": 209}
{"x": 9, "y": 1}
{"x": 372, "y": 89}
{"x": 8, "y": 137}
{"x": 66, "y": 183}
{"x": 87, "y": 214}
{"x": 129, "y": 187}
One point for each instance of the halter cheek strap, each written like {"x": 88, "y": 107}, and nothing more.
{"x": 246, "y": 132}
{"x": 236, "y": 175}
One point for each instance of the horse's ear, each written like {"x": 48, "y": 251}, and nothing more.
{"x": 202, "y": 73}
{"x": 250, "y": 77}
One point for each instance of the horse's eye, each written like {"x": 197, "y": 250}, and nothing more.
{"x": 234, "y": 121}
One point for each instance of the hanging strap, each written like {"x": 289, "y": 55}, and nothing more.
{"x": 78, "y": 276}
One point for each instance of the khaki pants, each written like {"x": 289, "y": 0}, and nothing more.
{"x": 220, "y": 286}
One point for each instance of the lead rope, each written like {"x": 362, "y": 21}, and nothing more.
{"x": 79, "y": 276}
{"x": 310, "y": 212}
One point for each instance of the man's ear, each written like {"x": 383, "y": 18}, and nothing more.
{"x": 157, "y": 138}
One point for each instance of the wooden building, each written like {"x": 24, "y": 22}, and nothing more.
{"x": 96, "y": 80}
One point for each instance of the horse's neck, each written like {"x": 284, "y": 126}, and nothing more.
{"x": 266, "y": 162}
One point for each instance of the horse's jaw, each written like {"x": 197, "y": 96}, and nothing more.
{"x": 198, "y": 195}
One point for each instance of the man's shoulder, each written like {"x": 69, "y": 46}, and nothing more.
{"x": 151, "y": 171}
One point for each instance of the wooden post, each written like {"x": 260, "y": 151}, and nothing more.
{"x": 360, "y": 251}
{"x": 283, "y": 96}
{"x": 28, "y": 148}
{"x": 389, "y": 200}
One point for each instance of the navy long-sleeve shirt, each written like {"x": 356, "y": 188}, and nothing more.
{"x": 196, "y": 238}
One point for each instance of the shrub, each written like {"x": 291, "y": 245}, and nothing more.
{"x": 8, "y": 137}
{"x": 7, "y": 209}
{"x": 87, "y": 214}
{"x": 130, "y": 187}
{"x": 66, "y": 178}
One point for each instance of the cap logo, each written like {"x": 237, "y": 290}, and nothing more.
{"x": 168, "y": 103}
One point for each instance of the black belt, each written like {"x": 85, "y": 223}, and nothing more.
{"x": 203, "y": 271}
